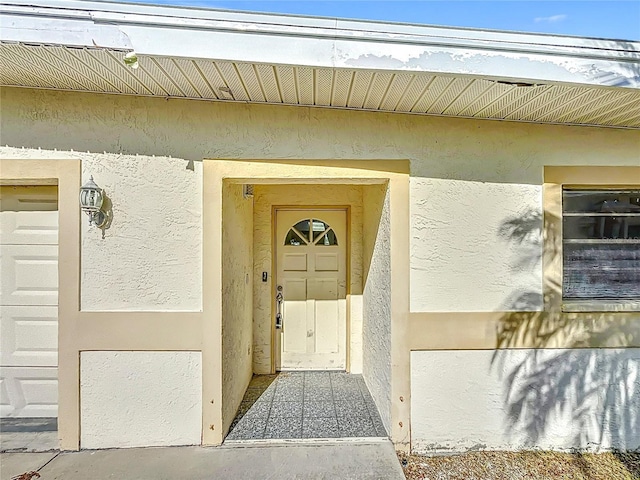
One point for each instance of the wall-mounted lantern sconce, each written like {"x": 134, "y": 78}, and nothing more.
{"x": 91, "y": 200}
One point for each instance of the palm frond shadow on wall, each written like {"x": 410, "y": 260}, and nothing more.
{"x": 562, "y": 374}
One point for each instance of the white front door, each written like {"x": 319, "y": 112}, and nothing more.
{"x": 29, "y": 301}
{"x": 311, "y": 249}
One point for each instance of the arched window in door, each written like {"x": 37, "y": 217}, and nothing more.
{"x": 311, "y": 231}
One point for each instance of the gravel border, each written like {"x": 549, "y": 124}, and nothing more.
{"x": 539, "y": 465}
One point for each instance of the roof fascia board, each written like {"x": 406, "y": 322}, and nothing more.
{"x": 334, "y": 28}
{"x": 368, "y": 35}
{"x": 80, "y": 32}
{"x": 193, "y": 13}
{"x": 286, "y": 40}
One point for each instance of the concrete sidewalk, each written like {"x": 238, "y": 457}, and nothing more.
{"x": 335, "y": 461}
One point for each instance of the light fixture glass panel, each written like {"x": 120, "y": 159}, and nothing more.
{"x": 91, "y": 199}
{"x": 91, "y": 196}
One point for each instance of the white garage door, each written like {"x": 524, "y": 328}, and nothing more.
{"x": 29, "y": 301}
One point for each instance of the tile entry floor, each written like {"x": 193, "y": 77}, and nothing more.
{"x": 306, "y": 405}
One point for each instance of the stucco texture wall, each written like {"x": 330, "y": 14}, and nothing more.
{"x": 483, "y": 171}
{"x": 457, "y": 245}
{"x": 140, "y": 399}
{"x": 155, "y": 204}
{"x": 557, "y": 399}
{"x": 474, "y": 185}
{"x": 469, "y": 180}
{"x": 376, "y": 326}
{"x": 237, "y": 311}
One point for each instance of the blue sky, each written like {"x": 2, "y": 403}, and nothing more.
{"x": 597, "y": 18}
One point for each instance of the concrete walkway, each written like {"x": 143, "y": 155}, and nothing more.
{"x": 342, "y": 460}
{"x": 28, "y": 435}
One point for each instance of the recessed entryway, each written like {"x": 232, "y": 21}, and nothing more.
{"x": 307, "y": 405}
{"x": 330, "y": 255}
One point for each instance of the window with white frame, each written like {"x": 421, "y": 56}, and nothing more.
{"x": 601, "y": 248}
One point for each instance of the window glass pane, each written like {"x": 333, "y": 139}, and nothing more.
{"x": 602, "y": 227}
{"x": 320, "y": 232}
{"x": 601, "y": 271}
{"x": 303, "y": 227}
{"x": 293, "y": 239}
{"x": 329, "y": 238}
{"x": 601, "y": 244}
{"x": 319, "y": 227}
{"x": 601, "y": 201}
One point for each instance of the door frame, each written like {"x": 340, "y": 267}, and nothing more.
{"x": 275, "y": 354}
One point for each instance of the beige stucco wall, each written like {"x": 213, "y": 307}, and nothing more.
{"x": 467, "y": 192}
{"x": 376, "y": 325}
{"x": 237, "y": 311}
{"x": 483, "y": 171}
{"x": 265, "y": 198}
{"x": 469, "y": 179}
{"x": 458, "y": 245}
{"x": 558, "y": 399}
{"x": 155, "y": 229}
{"x": 140, "y": 399}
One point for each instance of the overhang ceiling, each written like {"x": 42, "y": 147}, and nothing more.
{"x": 104, "y": 71}
{"x": 594, "y": 83}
